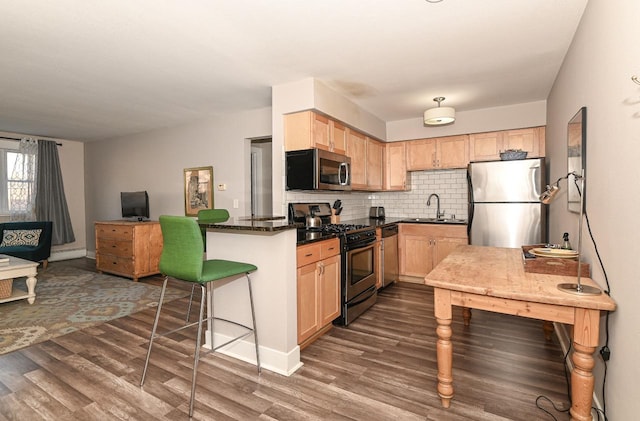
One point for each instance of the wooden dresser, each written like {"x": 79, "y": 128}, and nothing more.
{"x": 130, "y": 249}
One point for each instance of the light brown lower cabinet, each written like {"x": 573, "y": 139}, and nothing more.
{"x": 318, "y": 283}
{"x": 422, "y": 246}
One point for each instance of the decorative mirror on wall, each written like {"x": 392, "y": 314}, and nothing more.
{"x": 576, "y": 156}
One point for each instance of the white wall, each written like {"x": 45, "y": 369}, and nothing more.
{"x": 71, "y": 155}
{"x": 514, "y": 116}
{"x": 154, "y": 161}
{"x": 596, "y": 74}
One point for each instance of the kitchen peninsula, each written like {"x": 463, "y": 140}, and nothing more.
{"x": 271, "y": 246}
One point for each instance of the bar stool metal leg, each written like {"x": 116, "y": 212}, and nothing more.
{"x": 193, "y": 288}
{"x": 155, "y": 327}
{"x": 196, "y": 356}
{"x": 255, "y": 329}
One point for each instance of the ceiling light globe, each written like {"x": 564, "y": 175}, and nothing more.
{"x": 439, "y": 116}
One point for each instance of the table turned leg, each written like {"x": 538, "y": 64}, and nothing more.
{"x": 582, "y": 382}
{"x": 31, "y": 289}
{"x": 444, "y": 355}
{"x": 585, "y": 341}
{"x": 444, "y": 348}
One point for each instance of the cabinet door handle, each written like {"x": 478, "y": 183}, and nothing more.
{"x": 308, "y": 255}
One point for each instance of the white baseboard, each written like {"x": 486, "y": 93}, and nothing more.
{"x": 564, "y": 337}
{"x": 270, "y": 359}
{"x": 67, "y": 254}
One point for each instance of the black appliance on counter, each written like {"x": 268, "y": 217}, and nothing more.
{"x": 357, "y": 257}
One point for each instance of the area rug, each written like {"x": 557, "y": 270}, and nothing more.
{"x": 69, "y": 299}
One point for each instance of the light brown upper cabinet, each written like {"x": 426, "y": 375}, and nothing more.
{"x": 438, "y": 153}
{"x": 308, "y": 129}
{"x": 375, "y": 167}
{"x": 487, "y": 146}
{"x": 367, "y": 158}
{"x": 528, "y": 140}
{"x": 338, "y": 137}
{"x": 396, "y": 176}
{"x": 357, "y": 151}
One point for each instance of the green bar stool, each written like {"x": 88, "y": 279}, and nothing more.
{"x": 181, "y": 259}
{"x": 207, "y": 216}
{"x": 213, "y": 215}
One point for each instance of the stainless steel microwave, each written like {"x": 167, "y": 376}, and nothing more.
{"x": 317, "y": 169}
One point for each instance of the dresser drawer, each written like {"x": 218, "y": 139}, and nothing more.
{"x": 114, "y": 264}
{"x": 121, "y": 232}
{"x": 115, "y": 247}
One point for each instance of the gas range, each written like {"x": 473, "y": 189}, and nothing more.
{"x": 349, "y": 234}
{"x": 346, "y": 231}
{"x": 357, "y": 256}
{"x": 342, "y": 229}
{"x": 338, "y": 228}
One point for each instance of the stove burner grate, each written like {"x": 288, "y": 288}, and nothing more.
{"x": 337, "y": 228}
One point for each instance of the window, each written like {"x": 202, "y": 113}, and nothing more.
{"x": 13, "y": 185}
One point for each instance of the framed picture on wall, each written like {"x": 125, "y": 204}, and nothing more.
{"x": 576, "y": 157}
{"x": 198, "y": 190}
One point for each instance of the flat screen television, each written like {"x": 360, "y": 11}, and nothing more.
{"x": 135, "y": 205}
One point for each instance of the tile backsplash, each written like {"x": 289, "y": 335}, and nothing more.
{"x": 450, "y": 185}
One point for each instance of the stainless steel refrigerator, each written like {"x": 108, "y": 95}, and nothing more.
{"x": 504, "y": 205}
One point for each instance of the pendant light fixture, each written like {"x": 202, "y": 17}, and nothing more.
{"x": 439, "y": 115}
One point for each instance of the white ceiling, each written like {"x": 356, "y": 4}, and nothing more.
{"x": 95, "y": 69}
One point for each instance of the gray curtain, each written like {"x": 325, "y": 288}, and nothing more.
{"x": 51, "y": 204}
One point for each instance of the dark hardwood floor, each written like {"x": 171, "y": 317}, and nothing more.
{"x": 381, "y": 367}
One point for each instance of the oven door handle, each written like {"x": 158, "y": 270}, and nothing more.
{"x": 360, "y": 246}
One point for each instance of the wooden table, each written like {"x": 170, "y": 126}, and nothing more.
{"x": 17, "y": 268}
{"x": 493, "y": 279}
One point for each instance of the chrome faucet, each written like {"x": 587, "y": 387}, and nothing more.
{"x": 438, "y": 214}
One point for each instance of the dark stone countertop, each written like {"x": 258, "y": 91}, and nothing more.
{"x": 380, "y": 222}
{"x": 248, "y": 224}
{"x": 374, "y": 222}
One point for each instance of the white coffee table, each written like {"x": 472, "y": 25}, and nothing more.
{"x": 17, "y": 268}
